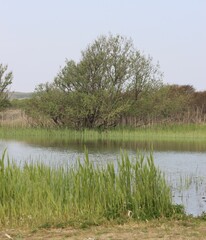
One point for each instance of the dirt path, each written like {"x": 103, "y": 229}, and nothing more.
{"x": 151, "y": 230}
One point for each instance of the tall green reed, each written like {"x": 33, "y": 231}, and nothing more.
{"x": 37, "y": 194}
{"x": 187, "y": 133}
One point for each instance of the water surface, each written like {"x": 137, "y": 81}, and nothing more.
{"x": 184, "y": 164}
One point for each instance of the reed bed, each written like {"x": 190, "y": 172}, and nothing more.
{"x": 187, "y": 133}
{"x": 87, "y": 192}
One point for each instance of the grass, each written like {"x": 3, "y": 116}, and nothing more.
{"x": 186, "y": 133}
{"x": 84, "y": 194}
{"x": 190, "y": 228}
{"x": 36, "y": 196}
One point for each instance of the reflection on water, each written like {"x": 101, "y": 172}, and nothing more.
{"x": 102, "y": 145}
{"x": 184, "y": 164}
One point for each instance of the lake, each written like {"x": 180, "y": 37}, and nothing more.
{"x": 184, "y": 164}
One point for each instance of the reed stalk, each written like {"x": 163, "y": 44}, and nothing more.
{"x": 186, "y": 133}
{"x": 36, "y": 194}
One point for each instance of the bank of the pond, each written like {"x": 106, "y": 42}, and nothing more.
{"x": 87, "y": 193}
{"x": 187, "y": 133}
{"x": 181, "y": 229}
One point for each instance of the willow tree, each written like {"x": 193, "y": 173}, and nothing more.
{"x": 5, "y": 82}
{"x": 96, "y": 84}
{"x": 97, "y": 89}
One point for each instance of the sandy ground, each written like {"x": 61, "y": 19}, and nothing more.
{"x": 188, "y": 229}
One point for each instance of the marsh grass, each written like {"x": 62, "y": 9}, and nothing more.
{"x": 186, "y": 133}
{"x": 86, "y": 193}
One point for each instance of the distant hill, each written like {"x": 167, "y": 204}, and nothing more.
{"x": 20, "y": 95}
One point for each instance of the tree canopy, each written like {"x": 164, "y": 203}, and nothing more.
{"x": 5, "y": 82}
{"x": 103, "y": 85}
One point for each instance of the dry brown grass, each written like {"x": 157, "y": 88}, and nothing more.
{"x": 14, "y": 118}
{"x": 162, "y": 229}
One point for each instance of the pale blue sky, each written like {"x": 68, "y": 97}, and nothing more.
{"x": 36, "y": 36}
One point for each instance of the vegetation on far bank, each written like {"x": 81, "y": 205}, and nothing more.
{"x": 186, "y": 133}
{"x": 113, "y": 84}
{"x": 5, "y": 81}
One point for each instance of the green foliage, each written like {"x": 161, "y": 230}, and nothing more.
{"x": 113, "y": 84}
{"x": 5, "y": 82}
{"x": 36, "y": 194}
{"x": 199, "y": 101}
{"x": 100, "y": 88}
{"x": 19, "y": 103}
{"x": 166, "y": 102}
{"x": 47, "y": 104}
{"x": 147, "y": 76}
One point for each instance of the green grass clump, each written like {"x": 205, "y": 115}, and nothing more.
{"x": 85, "y": 193}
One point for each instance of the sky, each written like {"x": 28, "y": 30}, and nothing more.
{"x": 37, "y": 36}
